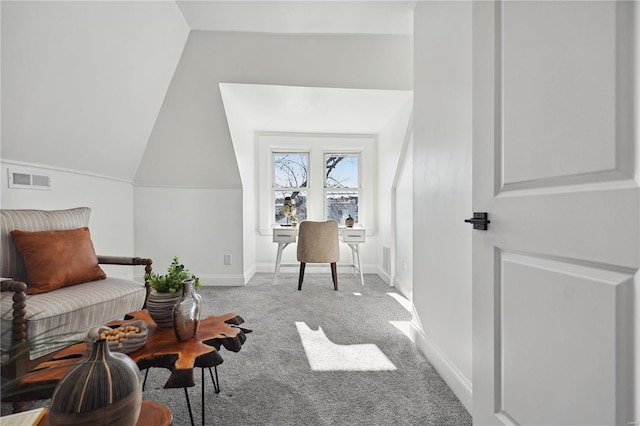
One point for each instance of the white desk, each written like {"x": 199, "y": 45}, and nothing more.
{"x": 353, "y": 237}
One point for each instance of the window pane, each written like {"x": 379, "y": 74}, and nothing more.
{"x": 341, "y": 170}
{"x": 298, "y": 206}
{"x": 342, "y": 204}
{"x": 290, "y": 170}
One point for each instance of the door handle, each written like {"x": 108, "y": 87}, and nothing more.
{"x": 480, "y": 220}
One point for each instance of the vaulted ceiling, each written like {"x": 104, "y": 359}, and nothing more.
{"x": 85, "y": 84}
{"x": 301, "y": 17}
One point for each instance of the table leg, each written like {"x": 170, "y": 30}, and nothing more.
{"x": 281, "y": 247}
{"x": 353, "y": 256}
{"x": 186, "y": 394}
{"x": 144, "y": 382}
{"x": 356, "y": 251}
{"x": 216, "y": 381}
{"x": 202, "y": 394}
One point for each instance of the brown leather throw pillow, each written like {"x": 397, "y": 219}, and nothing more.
{"x": 54, "y": 259}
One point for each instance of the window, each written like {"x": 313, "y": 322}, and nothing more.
{"x": 341, "y": 187}
{"x": 327, "y": 177}
{"x": 290, "y": 177}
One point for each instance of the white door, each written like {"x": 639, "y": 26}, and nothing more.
{"x": 555, "y": 167}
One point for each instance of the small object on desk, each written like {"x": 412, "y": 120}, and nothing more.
{"x": 349, "y": 222}
{"x": 284, "y": 224}
{"x": 26, "y": 418}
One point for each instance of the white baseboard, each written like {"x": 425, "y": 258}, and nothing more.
{"x": 213, "y": 280}
{"x": 385, "y": 277}
{"x": 222, "y": 280}
{"x": 403, "y": 288}
{"x": 248, "y": 274}
{"x": 459, "y": 384}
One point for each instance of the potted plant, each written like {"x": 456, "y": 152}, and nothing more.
{"x": 166, "y": 291}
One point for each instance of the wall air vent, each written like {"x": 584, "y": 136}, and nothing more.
{"x": 26, "y": 180}
{"x": 386, "y": 259}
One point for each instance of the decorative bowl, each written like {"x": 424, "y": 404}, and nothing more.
{"x": 126, "y": 339}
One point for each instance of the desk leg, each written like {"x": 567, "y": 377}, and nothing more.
{"x": 281, "y": 247}
{"x": 356, "y": 251}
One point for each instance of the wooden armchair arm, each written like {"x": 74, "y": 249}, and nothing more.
{"x": 125, "y": 260}
{"x": 18, "y": 321}
{"x": 15, "y": 286}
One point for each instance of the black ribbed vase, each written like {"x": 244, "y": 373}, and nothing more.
{"x": 103, "y": 390}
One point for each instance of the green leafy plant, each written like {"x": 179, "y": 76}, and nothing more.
{"x": 172, "y": 281}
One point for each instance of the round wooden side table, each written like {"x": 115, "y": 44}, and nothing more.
{"x": 151, "y": 414}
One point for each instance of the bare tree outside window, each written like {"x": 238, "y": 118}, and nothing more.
{"x": 342, "y": 186}
{"x": 290, "y": 179}
{"x": 290, "y": 175}
{"x": 290, "y": 170}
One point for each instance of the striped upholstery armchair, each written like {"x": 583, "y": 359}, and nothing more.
{"x": 35, "y": 326}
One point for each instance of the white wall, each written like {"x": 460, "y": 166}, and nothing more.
{"x": 403, "y": 278}
{"x": 199, "y": 225}
{"x": 82, "y": 82}
{"x": 636, "y": 66}
{"x": 442, "y": 190}
{"x": 390, "y": 145}
{"x": 190, "y": 145}
{"x": 244, "y": 145}
{"x": 110, "y": 200}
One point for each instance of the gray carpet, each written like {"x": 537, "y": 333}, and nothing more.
{"x": 269, "y": 382}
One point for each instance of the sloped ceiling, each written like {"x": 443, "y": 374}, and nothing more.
{"x": 313, "y": 109}
{"x": 193, "y": 120}
{"x": 301, "y": 17}
{"x": 82, "y": 82}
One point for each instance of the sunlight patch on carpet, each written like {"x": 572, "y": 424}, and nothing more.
{"x": 357, "y": 294}
{"x": 324, "y": 355}
{"x": 406, "y": 303}
{"x": 403, "y": 326}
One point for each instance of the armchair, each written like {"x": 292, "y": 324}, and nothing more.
{"x": 35, "y": 325}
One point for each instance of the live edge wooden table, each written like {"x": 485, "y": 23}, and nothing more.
{"x": 162, "y": 349}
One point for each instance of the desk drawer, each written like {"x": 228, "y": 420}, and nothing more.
{"x": 353, "y": 235}
{"x": 284, "y": 235}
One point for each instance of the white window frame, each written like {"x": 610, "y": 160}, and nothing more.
{"x": 326, "y": 189}
{"x": 316, "y": 145}
{"x": 274, "y": 189}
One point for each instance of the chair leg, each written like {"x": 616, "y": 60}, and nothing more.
{"x": 301, "y": 276}
{"x": 334, "y": 275}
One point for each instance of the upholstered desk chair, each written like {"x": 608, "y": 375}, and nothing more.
{"x": 318, "y": 243}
